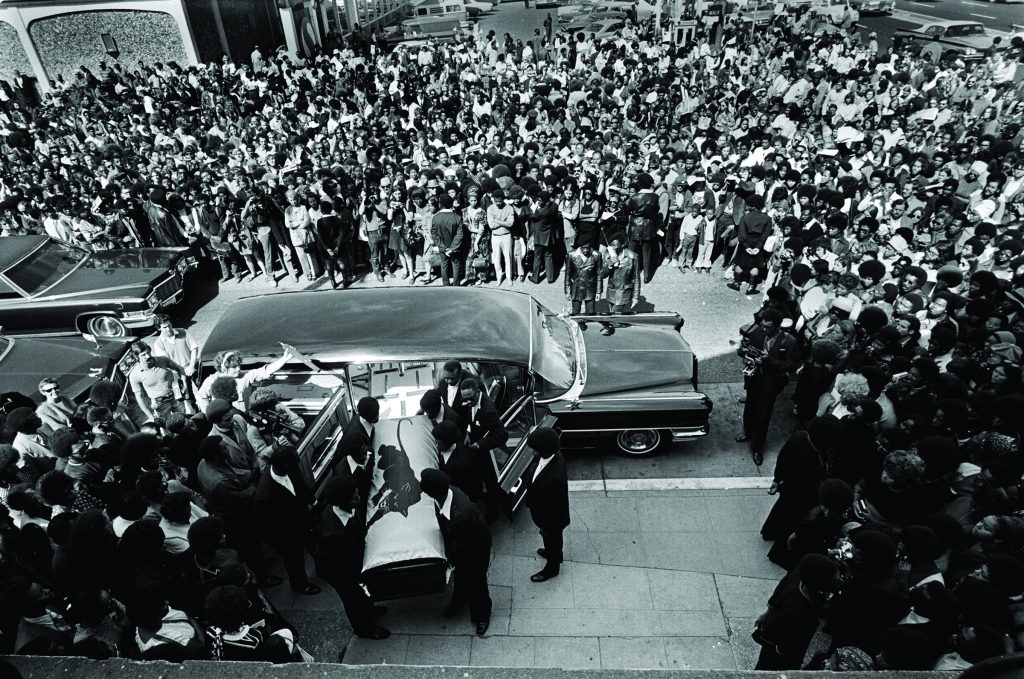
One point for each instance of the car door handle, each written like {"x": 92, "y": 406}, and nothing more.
{"x": 516, "y": 486}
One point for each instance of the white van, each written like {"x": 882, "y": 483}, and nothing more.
{"x": 436, "y": 16}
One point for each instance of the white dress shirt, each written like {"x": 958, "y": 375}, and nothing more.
{"x": 445, "y": 509}
{"x": 342, "y": 515}
{"x": 447, "y": 454}
{"x": 367, "y": 426}
{"x": 541, "y": 463}
{"x": 283, "y": 481}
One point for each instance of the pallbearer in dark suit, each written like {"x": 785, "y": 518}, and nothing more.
{"x": 548, "y": 499}
{"x": 449, "y": 387}
{"x": 455, "y": 460}
{"x": 437, "y": 411}
{"x": 486, "y": 432}
{"x": 339, "y": 555}
{"x": 282, "y": 507}
{"x": 354, "y": 457}
{"x": 467, "y": 544}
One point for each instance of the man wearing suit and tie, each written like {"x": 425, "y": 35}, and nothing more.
{"x": 545, "y": 223}
{"x": 437, "y": 411}
{"x": 355, "y": 449}
{"x": 486, "y": 432}
{"x": 339, "y": 554}
{"x": 282, "y": 506}
{"x": 548, "y": 499}
{"x": 449, "y": 387}
{"x": 467, "y": 545}
{"x": 455, "y": 460}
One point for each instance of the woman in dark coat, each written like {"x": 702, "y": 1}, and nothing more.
{"x": 798, "y": 472}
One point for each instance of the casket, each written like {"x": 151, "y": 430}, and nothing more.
{"x": 404, "y": 549}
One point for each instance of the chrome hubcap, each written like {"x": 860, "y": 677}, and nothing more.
{"x": 107, "y": 327}
{"x": 639, "y": 440}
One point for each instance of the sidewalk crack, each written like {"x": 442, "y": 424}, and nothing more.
{"x": 721, "y": 607}
{"x": 590, "y": 540}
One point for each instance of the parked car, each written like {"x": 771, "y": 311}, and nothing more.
{"x": 50, "y": 287}
{"x": 588, "y": 16}
{"x": 628, "y": 379}
{"x": 964, "y": 39}
{"x": 873, "y": 6}
{"x": 477, "y": 7}
{"x": 601, "y": 29}
{"x": 76, "y": 363}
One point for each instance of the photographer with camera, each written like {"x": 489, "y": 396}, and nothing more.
{"x": 274, "y": 420}
{"x": 872, "y": 597}
{"x": 374, "y": 222}
{"x": 261, "y": 212}
{"x": 769, "y": 356}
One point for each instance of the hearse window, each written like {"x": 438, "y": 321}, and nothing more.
{"x": 397, "y": 385}
{"x": 320, "y": 442}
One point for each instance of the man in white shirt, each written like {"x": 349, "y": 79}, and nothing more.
{"x": 178, "y": 346}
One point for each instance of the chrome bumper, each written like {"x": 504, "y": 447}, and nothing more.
{"x": 146, "y": 321}
{"x": 688, "y": 433}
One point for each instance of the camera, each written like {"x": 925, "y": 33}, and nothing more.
{"x": 843, "y": 550}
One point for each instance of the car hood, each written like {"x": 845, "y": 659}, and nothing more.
{"x": 977, "y": 41}
{"x": 623, "y": 356}
{"x": 77, "y": 362}
{"x": 112, "y": 274}
{"x": 138, "y": 258}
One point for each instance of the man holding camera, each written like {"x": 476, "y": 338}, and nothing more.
{"x": 622, "y": 269}
{"x": 770, "y": 355}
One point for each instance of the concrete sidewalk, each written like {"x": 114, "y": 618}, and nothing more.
{"x": 652, "y": 579}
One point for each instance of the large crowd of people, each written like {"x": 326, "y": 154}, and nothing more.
{"x": 873, "y": 197}
{"x": 893, "y": 316}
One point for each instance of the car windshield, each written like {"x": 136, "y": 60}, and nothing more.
{"x": 45, "y": 266}
{"x": 965, "y": 29}
{"x": 554, "y": 354}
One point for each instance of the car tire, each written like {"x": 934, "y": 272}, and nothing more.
{"x": 106, "y": 326}
{"x": 638, "y": 442}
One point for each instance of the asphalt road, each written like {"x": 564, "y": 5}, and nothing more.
{"x": 997, "y": 18}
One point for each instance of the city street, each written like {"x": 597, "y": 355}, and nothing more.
{"x": 997, "y": 18}
{"x": 665, "y": 567}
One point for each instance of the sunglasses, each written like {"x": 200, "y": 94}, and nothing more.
{"x": 51, "y": 390}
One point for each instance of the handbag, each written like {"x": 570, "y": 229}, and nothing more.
{"x": 413, "y": 238}
{"x": 480, "y": 263}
